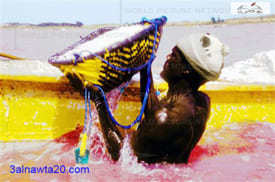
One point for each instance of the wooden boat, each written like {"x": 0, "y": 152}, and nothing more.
{"x": 38, "y": 103}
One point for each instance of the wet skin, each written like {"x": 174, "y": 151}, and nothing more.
{"x": 172, "y": 126}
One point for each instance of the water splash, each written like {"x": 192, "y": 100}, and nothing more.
{"x": 128, "y": 161}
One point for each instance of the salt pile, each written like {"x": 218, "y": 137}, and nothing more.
{"x": 260, "y": 69}
{"x": 106, "y": 40}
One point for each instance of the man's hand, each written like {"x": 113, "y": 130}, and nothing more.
{"x": 95, "y": 93}
{"x": 76, "y": 82}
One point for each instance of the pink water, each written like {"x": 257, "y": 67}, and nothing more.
{"x": 237, "y": 152}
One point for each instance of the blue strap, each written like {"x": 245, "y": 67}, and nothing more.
{"x": 139, "y": 117}
{"x": 87, "y": 100}
{"x": 76, "y": 56}
{"x": 144, "y": 102}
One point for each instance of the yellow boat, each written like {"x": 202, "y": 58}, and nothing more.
{"x": 38, "y": 103}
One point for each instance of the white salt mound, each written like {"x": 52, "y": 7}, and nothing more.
{"x": 260, "y": 69}
{"x": 106, "y": 40}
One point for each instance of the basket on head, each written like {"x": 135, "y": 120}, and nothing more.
{"x": 110, "y": 56}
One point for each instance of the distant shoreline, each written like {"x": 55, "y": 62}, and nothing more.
{"x": 234, "y": 21}
{"x": 243, "y": 20}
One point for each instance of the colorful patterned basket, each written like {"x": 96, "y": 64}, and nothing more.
{"x": 109, "y": 57}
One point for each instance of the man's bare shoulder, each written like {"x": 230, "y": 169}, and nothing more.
{"x": 202, "y": 110}
{"x": 202, "y": 100}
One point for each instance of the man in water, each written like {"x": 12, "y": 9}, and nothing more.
{"x": 172, "y": 126}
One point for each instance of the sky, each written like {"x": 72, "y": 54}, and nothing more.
{"x": 92, "y": 12}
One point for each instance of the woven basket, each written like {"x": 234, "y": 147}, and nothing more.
{"x": 127, "y": 48}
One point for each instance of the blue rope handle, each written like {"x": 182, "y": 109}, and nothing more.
{"x": 139, "y": 117}
{"x": 149, "y": 63}
{"x": 87, "y": 100}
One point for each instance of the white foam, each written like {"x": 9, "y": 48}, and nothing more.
{"x": 106, "y": 40}
{"x": 260, "y": 69}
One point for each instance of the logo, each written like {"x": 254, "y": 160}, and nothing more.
{"x": 250, "y": 7}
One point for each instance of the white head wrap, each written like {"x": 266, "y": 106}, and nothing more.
{"x": 205, "y": 53}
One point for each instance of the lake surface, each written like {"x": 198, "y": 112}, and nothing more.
{"x": 244, "y": 40}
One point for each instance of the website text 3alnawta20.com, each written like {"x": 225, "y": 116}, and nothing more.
{"x": 55, "y": 169}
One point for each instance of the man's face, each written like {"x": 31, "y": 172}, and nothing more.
{"x": 175, "y": 65}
